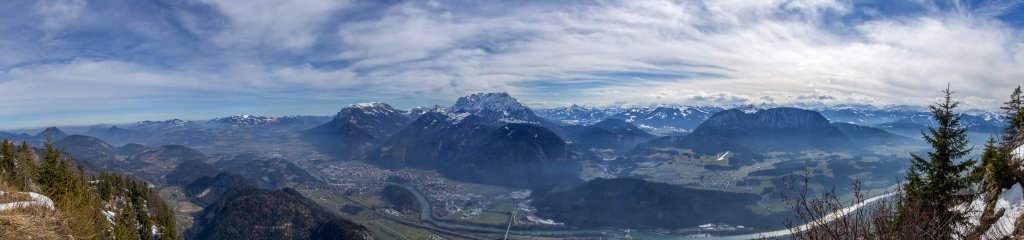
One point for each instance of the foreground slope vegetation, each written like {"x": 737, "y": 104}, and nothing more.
{"x": 84, "y": 207}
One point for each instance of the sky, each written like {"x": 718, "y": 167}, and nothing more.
{"x": 66, "y": 62}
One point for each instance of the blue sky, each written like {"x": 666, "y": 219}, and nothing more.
{"x": 110, "y": 61}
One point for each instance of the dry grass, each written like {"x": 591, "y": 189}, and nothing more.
{"x": 9, "y": 197}
{"x": 33, "y": 223}
{"x": 11, "y": 194}
{"x": 36, "y": 222}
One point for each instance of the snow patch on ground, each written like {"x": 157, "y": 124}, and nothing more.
{"x": 1019, "y": 152}
{"x": 722, "y": 157}
{"x": 36, "y": 200}
{"x": 109, "y": 215}
{"x": 1010, "y": 199}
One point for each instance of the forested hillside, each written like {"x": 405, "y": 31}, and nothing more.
{"x": 66, "y": 203}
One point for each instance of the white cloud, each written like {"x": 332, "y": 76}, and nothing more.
{"x": 87, "y": 84}
{"x": 292, "y": 25}
{"x": 754, "y": 47}
{"x": 59, "y": 13}
{"x": 609, "y": 52}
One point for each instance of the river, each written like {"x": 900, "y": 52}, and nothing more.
{"x": 427, "y": 216}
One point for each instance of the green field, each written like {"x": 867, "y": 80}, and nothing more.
{"x": 379, "y": 228}
{"x": 487, "y": 218}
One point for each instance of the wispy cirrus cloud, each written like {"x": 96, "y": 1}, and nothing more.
{"x": 112, "y": 54}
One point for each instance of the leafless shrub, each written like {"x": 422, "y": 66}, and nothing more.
{"x": 826, "y": 215}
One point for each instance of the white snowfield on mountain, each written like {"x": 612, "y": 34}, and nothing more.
{"x": 36, "y": 200}
{"x": 487, "y": 101}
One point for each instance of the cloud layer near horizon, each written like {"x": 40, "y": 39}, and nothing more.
{"x": 78, "y": 61}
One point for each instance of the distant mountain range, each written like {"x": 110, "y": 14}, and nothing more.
{"x": 196, "y": 133}
{"x": 488, "y": 138}
{"x": 746, "y": 136}
{"x": 493, "y": 138}
{"x": 250, "y": 121}
{"x": 676, "y": 120}
{"x": 614, "y": 134}
{"x": 662, "y": 120}
{"x": 146, "y": 163}
{"x": 51, "y": 133}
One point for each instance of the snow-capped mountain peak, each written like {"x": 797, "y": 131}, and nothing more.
{"x": 495, "y": 106}
{"x": 167, "y": 124}
{"x": 487, "y": 102}
{"x": 245, "y": 120}
{"x": 369, "y": 108}
{"x": 369, "y": 105}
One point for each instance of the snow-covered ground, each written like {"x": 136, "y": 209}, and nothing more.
{"x": 1019, "y": 152}
{"x": 1010, "y": 199}
{"x": 36, "y": 200}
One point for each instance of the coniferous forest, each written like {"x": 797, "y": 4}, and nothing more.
{"x": 84, "y": 206}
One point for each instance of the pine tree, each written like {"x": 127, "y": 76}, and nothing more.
{"x": 54, "y": 175}
{"x": 7, "y": 160}
{"x": 126, "y": 225}
{"x": 165, "y": 219}
{"x": 995, "y": 169}
{"x": 24, "y": 165}
{"x": 937, "y": 183}
{"x": 1014, "y": 116}
{"x": 137, "y": 192}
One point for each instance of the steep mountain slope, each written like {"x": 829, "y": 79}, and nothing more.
{"x": 747, "y": 136}
{"x": 777, "y": 129}
{"x": 487, "y": 138}
{"x": 189, "y": 171}
{"x": 93, "y": 150}
{"x": 208, "y": 190}
{"x": 475, "y": 149}
{"x": 356, "y": 128}
{"x": 251, "y": 213}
